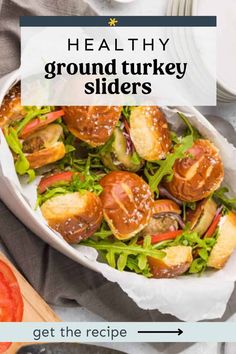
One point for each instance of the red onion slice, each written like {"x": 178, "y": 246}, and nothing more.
{"x": 164, "y": 193}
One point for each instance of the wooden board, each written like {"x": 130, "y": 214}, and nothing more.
{"x": 35, "y": 308}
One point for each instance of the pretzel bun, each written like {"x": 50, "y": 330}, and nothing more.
{"x": 11, "y": 108}
{"x": 76, "y": 216}
{"x": 43, "y": 146}
{"x": 176, "y": 262}
{"x": 165, "y": 206}
{"x": 149, "y": 132}
{"x": 197, "y": 176}
{"x": 127, "y": 203}
{"x": 92, "y": 124}
{"x": 201, "y": 218}
{"x": 226, "y": 242}
{"x": 162, "y": 219}
{"x": 46, "y": 156}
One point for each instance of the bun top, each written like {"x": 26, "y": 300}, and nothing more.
{"x": 198, "y": 174}
{"x": 165, "y": 206}
{"x": 11, "y": 108}
{"x": 149, "y": 132}
{"x": 127, "y": 203}
{"x": 92, "y": 124}
{"x": 76, "y": 216}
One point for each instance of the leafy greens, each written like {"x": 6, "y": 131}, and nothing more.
{"x": 131, "y": 255}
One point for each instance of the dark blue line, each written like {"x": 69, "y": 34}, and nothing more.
{"x": 123, "y": 21}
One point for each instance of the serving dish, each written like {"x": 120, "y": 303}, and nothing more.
{"x": 188, "y": 297}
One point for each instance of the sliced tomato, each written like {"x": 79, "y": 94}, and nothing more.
{"x": 49, "y": 181}
{"x": 7, "y": 306}
{"x": 4, "y": 346}
{"x": 17, "y": 301}
{"x": 166, "y": 236}
{"x": 170, "y": 235}
{"x": 38, "y": 123}
{"x": 212, "y": 228}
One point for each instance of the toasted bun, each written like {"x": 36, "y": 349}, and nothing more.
{"x": 160, "y": 225}
{"x": 149, "y": 133}
{"x": 162, "y": 219}
{"x": 226, "y": 242}
{"x": 43, "y": 147}
{"x": 176, "y": 262}
{"x": 127, "y": 203}
{"x": 11, "y": 108}
{"x": 46, "y": 156}
{"x": 197, "y": 176}
{"x": 92, "y": 124}
{"x": 76, "y": 216}
{"x": 165, "y": 206}
{"x": 201, "y": 218}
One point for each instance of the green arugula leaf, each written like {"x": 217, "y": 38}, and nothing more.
{"x": 85, "y": 181}
{"x": 126, "y": 111}
{"x": 103, "y": 232}
{"x": 221, "y": 197}
{"x": 33, "y": 112}
{"x": 107, "y": 147}
{"x": 122, "y": 261}
{"x": 198, "y": 266}
{"x": 135, "y": 158}
{"x": 190, "y": 129}
{"x": 166, "y": 166}
{"x": 191, "y": 205}
{"x": 131, "y": 255}
{"x": 22, "y": 165}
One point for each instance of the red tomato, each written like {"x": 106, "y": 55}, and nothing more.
{"x": 4, "y": 346}
{"x": 163, "y": 237}
{"x": 38, "y": 123}
{"x": 49, "y": 181}
{"x": 213, "y": 225}
{"x": 11, "y": 302}
{"x": 17, "y": 305}
{"x": 6, "y": 301}
{"x": 166, "y": 236}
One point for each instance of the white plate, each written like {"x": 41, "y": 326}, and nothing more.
{"x": 181, "y": 11}
{"x": 169, "y": 8}
{"x": 226, "y": 52}
{"x": 188, "y": 8}
{"x": 175, "y": 7}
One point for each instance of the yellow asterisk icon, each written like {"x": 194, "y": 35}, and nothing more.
{"x": 112, "y": 22}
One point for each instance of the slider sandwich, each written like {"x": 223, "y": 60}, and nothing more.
{"x": 68, "y": 207}
{"x": 33, "y": 133}
{"x": 92, "y": 124}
